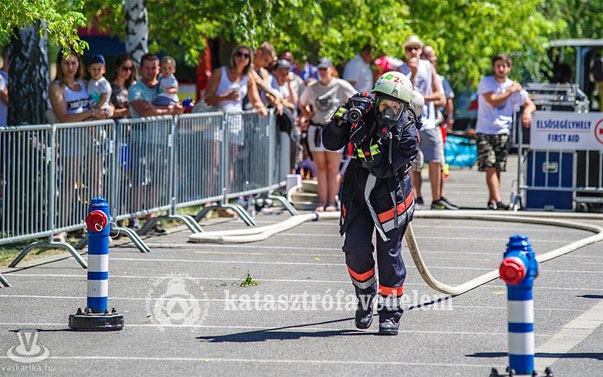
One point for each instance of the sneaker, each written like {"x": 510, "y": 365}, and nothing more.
{"x": 498, "y": 206}
{"x": 502, "y": 206}
{"x": 419, "y": 201}
{"x": 158, "y": 231}
{"x": 448, "y": 204}
{"x": 134, "y": 224}
{"x": 439, "y": 205}
{"x": 389, "y": 327}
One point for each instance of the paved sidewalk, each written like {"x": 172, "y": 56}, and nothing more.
{"x": 187, "y": 313}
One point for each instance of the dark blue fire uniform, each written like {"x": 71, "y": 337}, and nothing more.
{"x": 376, "y": 194}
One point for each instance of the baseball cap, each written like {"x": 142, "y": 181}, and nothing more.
{"x": 98, "y": 59}
{"x": 413, "y": 40}
{"x": 324, "y": 63}
{"x": 283, "y": 63}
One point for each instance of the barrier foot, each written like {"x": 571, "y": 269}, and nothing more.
{"x": 49, "y": 245}
{"x": 4, "y": 282}
{"x": 135, "y": 238}
{"x": 287, "y": 204}
{"x": 240, "y": 212}
{"x": 189, "y": 222}
{"x": 85, "y": 320}
{"x": 132, "y": 235}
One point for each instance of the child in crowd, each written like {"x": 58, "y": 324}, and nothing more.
{"x": 99, "y": 88}
{"x": 167, "y": 92}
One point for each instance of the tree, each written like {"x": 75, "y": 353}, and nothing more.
{"x": 28, "y": 59}
{"x": 27, "y": 25}
{"x": 137, "y": 29}
{"x": 465, "y": 33}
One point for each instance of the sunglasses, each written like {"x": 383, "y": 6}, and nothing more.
{"x": 240, "y": 54}
{"x": 127, "y": 68}
{"x": 412, "y": 48}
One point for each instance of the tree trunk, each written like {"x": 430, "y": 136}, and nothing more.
{"x": 29, "y": 76}
{"x": 137, "y": 28}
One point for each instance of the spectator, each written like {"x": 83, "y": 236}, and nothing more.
{"x": 142, "y": 94}
{"x": 296, "y": 80}
{"x": 448, "y": 109}
{"x": 358, "y": 70}
{"x": 498, "y": 98}
{"x": 143, "y": 145}
{"x": 99, "y": 87}
{"x": 123, "y": 78}
{"x": 3, "y": 101}
{"x": 317, "y": 103}
{"x": 306, "y": 71}
{"x": 70, "y": 102}
{"x": 227, "y": 87}
{"x": 426, "y": 82}
{"x": 263, "y": 59}
{"x": 68, "y": 92}
{"x": 445, "y": 112}
{"x": 5, "y": 63}
{"x": 4, "y": 88}
{"x": 286, "y": 121}
{"x": 167, "y": 92}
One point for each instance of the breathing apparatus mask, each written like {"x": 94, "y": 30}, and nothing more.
{"x": 389, "y": 110}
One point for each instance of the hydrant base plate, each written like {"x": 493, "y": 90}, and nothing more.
{"x": 96, "y": 321}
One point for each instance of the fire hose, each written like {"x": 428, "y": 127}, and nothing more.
{"x": 262, "y": 233}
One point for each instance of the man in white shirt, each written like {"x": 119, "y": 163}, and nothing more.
{"x": 358, "y": 70}
{"x": 498, "y": 98}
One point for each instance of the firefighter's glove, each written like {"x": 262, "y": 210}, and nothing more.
{"x": 358, "y": 134}
{"x": 340, "y": 114}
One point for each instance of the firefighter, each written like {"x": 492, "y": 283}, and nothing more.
{"x": 377, "y": 193}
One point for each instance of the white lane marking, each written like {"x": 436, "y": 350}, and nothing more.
{"x": 570, "y": 336}
{"x": 262, "y": 361}
{"x": 340, "y": 303}
{"x": 294, "y": 281}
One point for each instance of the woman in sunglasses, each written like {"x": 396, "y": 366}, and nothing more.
{"x": 123, "y": 77}
{"x": 226, "y": 89}
{"x": 228, "y": 85}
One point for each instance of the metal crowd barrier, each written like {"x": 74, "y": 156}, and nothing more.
{"x": 142, "y": 166}
{"x": 49, "y": 172}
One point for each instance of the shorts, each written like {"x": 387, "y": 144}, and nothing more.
{"x": 315, "y": 144}
{"x": 431, "y": 145}
{"x": 492, "y": 151}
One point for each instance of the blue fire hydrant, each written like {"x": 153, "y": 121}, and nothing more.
{"x": 518, "y": 269}
{"x": 96, "y": 316}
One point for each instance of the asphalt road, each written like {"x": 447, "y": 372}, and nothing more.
{"x": 187, "y": 314}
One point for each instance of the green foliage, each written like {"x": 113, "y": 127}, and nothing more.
{"x": 61, "y": 18}
{"x": 248, "y": 281}
{"x": 464, "y": 33}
